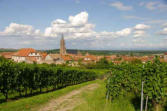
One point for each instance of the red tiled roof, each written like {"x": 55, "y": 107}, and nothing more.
{"x": 166, "y": 53}
{"x": 78, "y": 57}
{"x": 43, "y": 55}
{"x": 66, "y": 58}
{"x": 7, "y": 55}
{"x": 25, "y": 52}
{"x": 91, "y": 57}
{"x": 69, "y": 57}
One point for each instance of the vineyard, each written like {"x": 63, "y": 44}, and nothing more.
{"x": 21, "y": 79}
{"x": 121, "y": 90}
{"x": 127, "y": 78}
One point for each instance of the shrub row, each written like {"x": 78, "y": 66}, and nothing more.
{"x": 25, "y": 79}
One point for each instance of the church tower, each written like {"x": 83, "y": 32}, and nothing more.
{"x": 62, "y": 46}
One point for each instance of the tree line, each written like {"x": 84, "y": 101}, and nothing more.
{"x": 26, "y": 79}
{"x": 127, "y": 78}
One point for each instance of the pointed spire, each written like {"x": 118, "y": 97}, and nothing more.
{"x": 62, "y": 46}
{"x": 87, "y": 54}
{"x": 62, "y": 36}
{"x": 79, "y": 53}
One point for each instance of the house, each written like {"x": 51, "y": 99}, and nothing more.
{"x": 7, "y": 55}
{"x": 54, "y": 59}
{"x": 165, "y": 56}
{"x": 110, "y": 58}
{"x": 28, "y": 55}
{"x": 90, "y": 58}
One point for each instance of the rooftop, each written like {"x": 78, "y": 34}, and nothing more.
{"x": 24, "y": 52}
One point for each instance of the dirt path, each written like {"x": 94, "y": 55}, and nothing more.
{"x": 68, "y": 101}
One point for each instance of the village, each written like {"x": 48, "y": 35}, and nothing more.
{"x": 30, "y": 55}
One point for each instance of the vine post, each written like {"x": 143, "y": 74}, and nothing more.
{"x": 141, "y": 107}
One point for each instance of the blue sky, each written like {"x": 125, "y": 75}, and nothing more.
{"x": 86, "y": 24}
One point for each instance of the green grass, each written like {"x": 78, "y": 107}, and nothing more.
{"x": 96, "y": 101}
{"x": 92, "y": 100}
{"x": 31, "y": 103}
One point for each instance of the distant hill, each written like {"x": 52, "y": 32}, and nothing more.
{"x": 100, "y": 52}
{"x": 7, "y": 50}
{"x": 111, "y": 52}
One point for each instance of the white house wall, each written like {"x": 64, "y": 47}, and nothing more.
{"x": 48, "y": 58}
{"x": 34, "y": 54}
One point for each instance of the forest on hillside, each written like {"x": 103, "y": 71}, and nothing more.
{"x": 111, "y": 52}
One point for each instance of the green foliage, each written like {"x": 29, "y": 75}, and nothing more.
{"x": 136, "y": 61}
{"x": 101, "y": 64}
{"x": 26, "y": 79}
{"x": 124, "y": 78}
{"x": 155, "y": 75}
{"x": 127, "y": 77}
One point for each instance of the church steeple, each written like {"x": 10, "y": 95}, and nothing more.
{"x": 62, "y": 46}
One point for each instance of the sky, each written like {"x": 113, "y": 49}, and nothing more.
{"x": 85, "y": 24}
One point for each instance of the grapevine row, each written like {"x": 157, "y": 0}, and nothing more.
{"x": 127, "y": 77}
{"x": 27, "y": 79}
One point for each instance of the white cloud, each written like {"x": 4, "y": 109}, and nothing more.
{"x": 160, "y": 21}
{"x": 79, "y": 19}
{"x": 79, "y": 27}
{"x": 49, "y": 32}
{"x": 20, "y": 29}
{"x": 120, "y": 6}
{"x": 25, "y": 42}
{"x": 147, "y": 45}
{"x": 141, "y": 27}
{"x": 138, "y": 40}
{"x": 79, "y": 32}
{"x": 154, "y": 5}
{"x": 134, "y": 17}
{"x": 146, "y": 20}
{"x": 140, "y": 30}
{"x": 164, "y": 25}
{"x": 139, "y": 33}
{"x": 163, "y": 32}
{"x": 59, "y": 21}
{"x": 151, "y": 5}
{"x": 124, "y": 32}
{"x": 76, "y": 27}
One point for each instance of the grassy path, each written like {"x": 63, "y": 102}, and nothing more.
{"x": 68, "y": 101}
{"x": 95, "y": 101}
{"x": 89, "y": 96}
{"x": 33, "y": 103}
